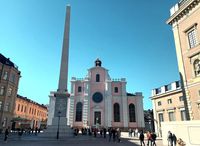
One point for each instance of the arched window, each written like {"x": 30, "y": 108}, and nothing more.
{"x": 116, "y": 89}
{"x": 79, "y": 89}
{"x": 132, "y": 113}
{"x": 116, "y": 112}
{"x": 196, "y": 67}
{"x": 97, "y": 78}
{"x": 79, "y": 106}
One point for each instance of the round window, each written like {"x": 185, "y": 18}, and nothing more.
{"x": 97, "y": 97}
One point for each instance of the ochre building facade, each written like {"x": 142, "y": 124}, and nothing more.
{"x": 9, "y": 80}
{"x": 29, "y": 114}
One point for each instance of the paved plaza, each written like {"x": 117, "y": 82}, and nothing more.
{"x": 80, "y": 140}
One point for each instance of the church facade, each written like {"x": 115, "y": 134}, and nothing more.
{"x": 99, "y": 101}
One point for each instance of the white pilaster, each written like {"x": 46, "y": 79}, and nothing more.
{"x": 108, "y": 104}
{"x": 139, "y": 109}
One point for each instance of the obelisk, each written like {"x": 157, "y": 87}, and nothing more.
{"x": 62, "y": 92}
{"x": 58, "y": 104}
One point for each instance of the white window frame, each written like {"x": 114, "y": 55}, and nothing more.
{"x": 2, "y": 90}
{"x": 193, "y": 38}
{"x": 1, "y": 105}
{"x": 5, "y": 75}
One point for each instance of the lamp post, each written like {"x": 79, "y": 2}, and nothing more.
{"x": 59, "y": 112}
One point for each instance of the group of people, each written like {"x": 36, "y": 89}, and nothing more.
{"x": 151, "y": 138}
{"x": 133, "y": 132}
{"x": 113, "y": 133}
{"x": 171, "y": 138}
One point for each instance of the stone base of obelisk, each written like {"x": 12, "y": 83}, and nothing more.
{"x": 52, "y": 130}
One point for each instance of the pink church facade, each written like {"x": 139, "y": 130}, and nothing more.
{"x": 99, "y": 101}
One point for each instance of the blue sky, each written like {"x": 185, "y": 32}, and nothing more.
{"x": 130, "y": 37}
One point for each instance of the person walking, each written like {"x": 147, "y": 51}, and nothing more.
{"x": 149, "y": 139}
{"x": 118, "y": 135}
{"x": 141, "y": 137}
{"x": 6, "y": 135}
{"x": 174, "y": 139}
{"x": 169, "y": 139}
{"x": 110, "y": 133}
{"x": 153, "y": 137}
{"x": 104, "y": 132}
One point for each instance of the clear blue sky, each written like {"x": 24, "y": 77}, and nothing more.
{"x": 131, "y": 38}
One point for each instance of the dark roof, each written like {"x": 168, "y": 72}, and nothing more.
{"x": 130, "y": 94}
{"x": 31, "y": 101}
{"x": 7, "y": 61}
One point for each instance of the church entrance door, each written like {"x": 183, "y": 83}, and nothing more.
{"x": 97, "y": 118}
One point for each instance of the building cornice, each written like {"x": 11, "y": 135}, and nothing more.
{"x": 166, "y": 94}
{"x": 182, "y": 10}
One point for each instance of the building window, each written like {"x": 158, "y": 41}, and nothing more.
{"x": 1, "y": 104}
{"x": 4, "y": 123}
{"x": 30, "y": 111}
{"x": 7, "y": 107}
{"x": 116, "y": 89}
{"x": 158, "y": 90}
{"x": 9, "y": 91}
{"x": 5, "y": 76}
{"x": 183, "y": 115}
{"x": 97, "y": 78}
{"x": 168, "y": 87}
{"x": 116, "y": 112}
{"x": 18, "y": 108}
{"x": 25, "y": 109}
{"x": 79, "y": 109}
{"x": 181, "y": 98}
{"x": 169, "y": 101}
{"x": 178, "y": 84}
{"x": 161, "y": 118}
{"x": 2, "y": 90}
{"x": 171, "y": 116}
{"x": 79, "y": 89}
{"x": 159, "y": 103}
{"x": 12, "y": 79}
{"x": 22, "y": 108}
{"x": 192, "y": 37}
{"x": 196, "y": 66}
{"x": 132, "y": 113}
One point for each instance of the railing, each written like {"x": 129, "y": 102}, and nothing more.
{"x": 182, "y": 2}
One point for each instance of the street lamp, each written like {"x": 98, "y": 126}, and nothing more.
{"x": 59, "y": 112}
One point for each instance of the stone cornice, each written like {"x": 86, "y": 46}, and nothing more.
{"x": 182, "y": 11}
{"x": 166, "y": 94}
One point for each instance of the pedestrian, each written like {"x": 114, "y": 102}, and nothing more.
{"x": 110, "y": 133}
{"x": 136, "y": 132}
{"x": 174, "y": 139}
{"x": 169, "y": 139}
{"x": 141, "y": 137}
{"x": 149, "y": 139}
{"x": 118, "y": 135}
{"x": 114, "y": 134}
{"x": 104, "y": 132}
{"x": 153, "y": 137}
{"x": 6, "y": 135}
{"x": 129, "y": 132}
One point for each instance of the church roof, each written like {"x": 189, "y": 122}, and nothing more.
{"x": 130, "y": 94}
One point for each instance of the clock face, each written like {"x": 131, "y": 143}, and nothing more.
{"x": 97, "y": 97}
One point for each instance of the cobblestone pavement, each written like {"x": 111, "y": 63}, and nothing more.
{"x": 80, "y": 140}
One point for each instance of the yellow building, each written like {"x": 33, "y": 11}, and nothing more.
{"x": 185, "y": 22}
{"x": 29, "y": 114}
{"x": 168, "y": 104}
{"x": 9, "y": 80}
